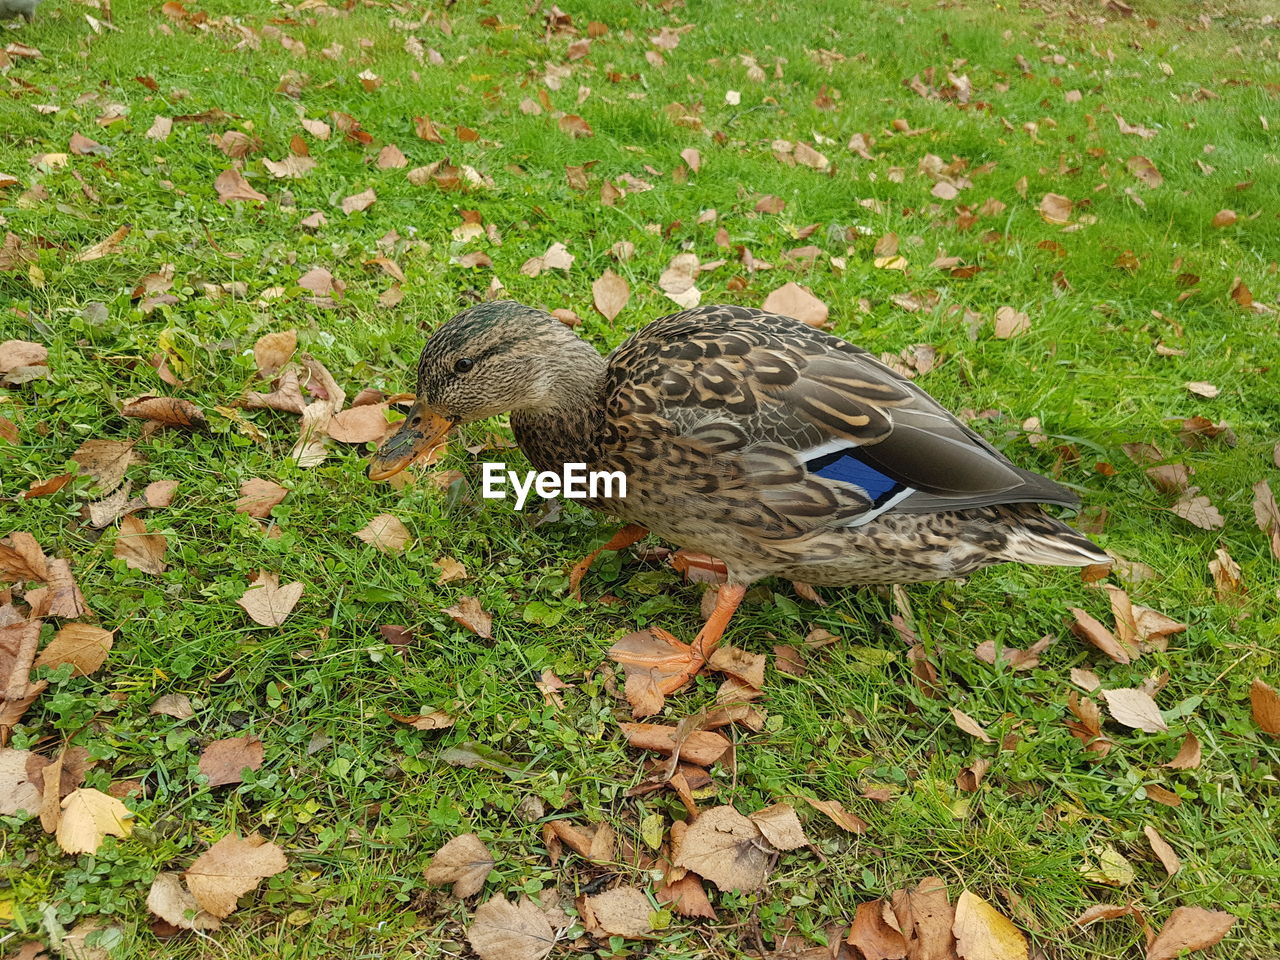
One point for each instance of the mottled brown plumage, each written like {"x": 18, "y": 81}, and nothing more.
{"x": 780, "y": 449}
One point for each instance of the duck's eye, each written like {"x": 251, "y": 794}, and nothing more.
{"x": 463, "y": 364}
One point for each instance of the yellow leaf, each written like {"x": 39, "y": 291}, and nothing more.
{"x": 983, "y": 933}
{"x": 88, "y": 815}
{"x": 891, "y": 263}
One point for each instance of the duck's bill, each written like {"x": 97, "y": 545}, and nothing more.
{"x": 408, "y": 443}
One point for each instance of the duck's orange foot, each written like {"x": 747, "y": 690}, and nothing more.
{"x": 657, "y": 664}
{"x": 631, "y": 533}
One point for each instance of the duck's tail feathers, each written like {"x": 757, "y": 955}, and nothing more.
{"x": 1052, "y": 543}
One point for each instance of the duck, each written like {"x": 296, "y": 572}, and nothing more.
{"x": 778, "y": 448}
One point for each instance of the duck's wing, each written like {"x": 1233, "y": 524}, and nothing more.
{"x": 814, "y": 429}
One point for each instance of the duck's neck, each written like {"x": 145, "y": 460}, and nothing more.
{"x": 565, "y": 426}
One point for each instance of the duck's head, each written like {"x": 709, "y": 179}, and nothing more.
{"x": 494, "y": 358}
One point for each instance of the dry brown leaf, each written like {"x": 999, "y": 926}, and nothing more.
{"x": 83, "y": 646}
{"x": 1145, "y": 170}
{"x": 739, "y": 664}
{"x": 983, "y": 933}
{"x": 139, "y": 549}
{"x": 363, "y": 424}
{"x": 1224, "y": 218}
{"x": 22, "y": 559}
{"x": 268, "y": 603}
{"x": 1228, "y": 586}
{"x": 1010, "y": 323}
{"x": 15, "y": 354}
{"x": 160, "y": 493}
{"x": 610, "y": 294}
{"x": 1189, "y": 928}
{"x": 505, "y": 930}
{"x": 170, "y": 901}
{"x": 105, "y": 460}
{"x": 468, "y": 613}
{"x": 701, "y": 747}
{"x": 231, "y": 185}
{"x": 1015, "y": 658}
{"x": 726, "y": 848}
{"x": 678, "y": 280}
{"x": 1199, "y": 510}
{"x": 88, "y": 816}
{"x": 1188, "y": 757}
{"x": 176, "y": 705}
{"x": 103, "y": 248}
{"x": 1134, "y": 708}
{"x": 793, "y": 300}
{"x": 1090, "y": 630}
{"x": 790, "y": 660}
{"x": 224, "y": 761}
{"x": 1165, "y": 853}
{"x": 358, "y": 201}
{"x": 465, "y": 862}
{"x": 231, "y": 868}
{"x": 1056, "y": 209}
{"x": 687, "y": 896}
{"x": 620, "y": 912}
{"x": 970, "y": 725}
{"x": 1267, "y": 514}
{"x": 18, "y": 789}
{"x": 287, "y": 396}
{"x": 259, "y": 497}
{"x": 1107, "y": 911}
{"x": 842, "y": 818}
{"x": 435, "y": 720}
{"x": 273, "y": 351}
{"x": 1265, "y": 705}
{"x": 875, "y": 932}
{"x": 292, "y": 167}
{"x": 780, "y": 826}
{"x": 928, "y": 918}
{"x": 385, "y": 532}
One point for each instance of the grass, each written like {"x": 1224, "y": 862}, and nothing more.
{"x": 360, "y": 802}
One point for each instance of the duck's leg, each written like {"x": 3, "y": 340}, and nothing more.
{"x": 728, "y": 597}
{"x": 631, "y": 533}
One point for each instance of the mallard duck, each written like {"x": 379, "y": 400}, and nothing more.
{"x": 750, "y": 436}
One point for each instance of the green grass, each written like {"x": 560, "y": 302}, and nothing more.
{"x": 360, "y": 802}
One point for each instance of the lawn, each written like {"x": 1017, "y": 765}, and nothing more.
{"x": 1067, "y": 212}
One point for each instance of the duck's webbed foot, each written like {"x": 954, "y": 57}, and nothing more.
{"x": 631, "y": 533}
{"x": 657, "y": 664}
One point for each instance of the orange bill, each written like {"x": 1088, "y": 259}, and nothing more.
{"x": 420, "y": 432}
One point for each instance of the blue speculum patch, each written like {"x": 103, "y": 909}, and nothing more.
{"x": 844, "y": 466}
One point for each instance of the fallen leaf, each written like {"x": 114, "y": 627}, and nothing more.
{"x": 970, "y": 725}
{"x": 842, "y": 818}
{"x": 160, "y": 493}
{"x": 1106, "y": 911}
{"x": 1202, "y": 388}
{"x": 620, "y": 912}
{"x": 875, "y": 932}
{"x": 1134, "y": 708}
{"x": 1188, "y": 757}
{"x": 170, "y": 901}
{"x": 678, "y": 280}
{"x": 1015, "y": 658}
{"x": 231, "y": 185}
{"x": 105, "y": 460}
{"x": 88, "y": 816}
{"x": 1267, "y": 514}
{"x": 468, "y": 612}
{"x": 177, "y": 705}
{"x": 1265, "y": 705}
{"x": 780, "y": 826}
{"x": 1189, "y": 928}
{"x": 268, "y": 603}
{"x": 1198, "y": 510}
{"x": 273, "y": 351}
{"x": 435, "y": 720}
{"x": 1056, "y": 209}
{"x": 385, "y": 532}
{"x": 231, "y": 868}
{"x": 83, "y": 646}
{"x": 1224, "y": 218}
{"x": 928, "y": 918}
{"x": 789, "y": 660}
{"x": 224, "y": 761}
{"x": 726, "y": 848}
{"x": 701, "y": 747}
{"x": 362, "y": 424}
{"x": 1090, "y": 630}
{"x": 1146, "y": 171}
{"x": 292, "y": 167}
{"x": 610, "y": 294}
{"x": 739, "y": 664}
{"x": 259, "y": 497}
{"x": 505, "y": 930}
{"x": 358, "y": 202}
{"x": 465, "y": 862}
{"x": 139, "y": 549}
{"x": 18, "y": 791}
{"x": 793, "y": 300}
{"x": 1228, "y": 586}
{"x": 1010, "y": 323}
{"x": 1165, "y": 853}
{"x": 983, "y": 933}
